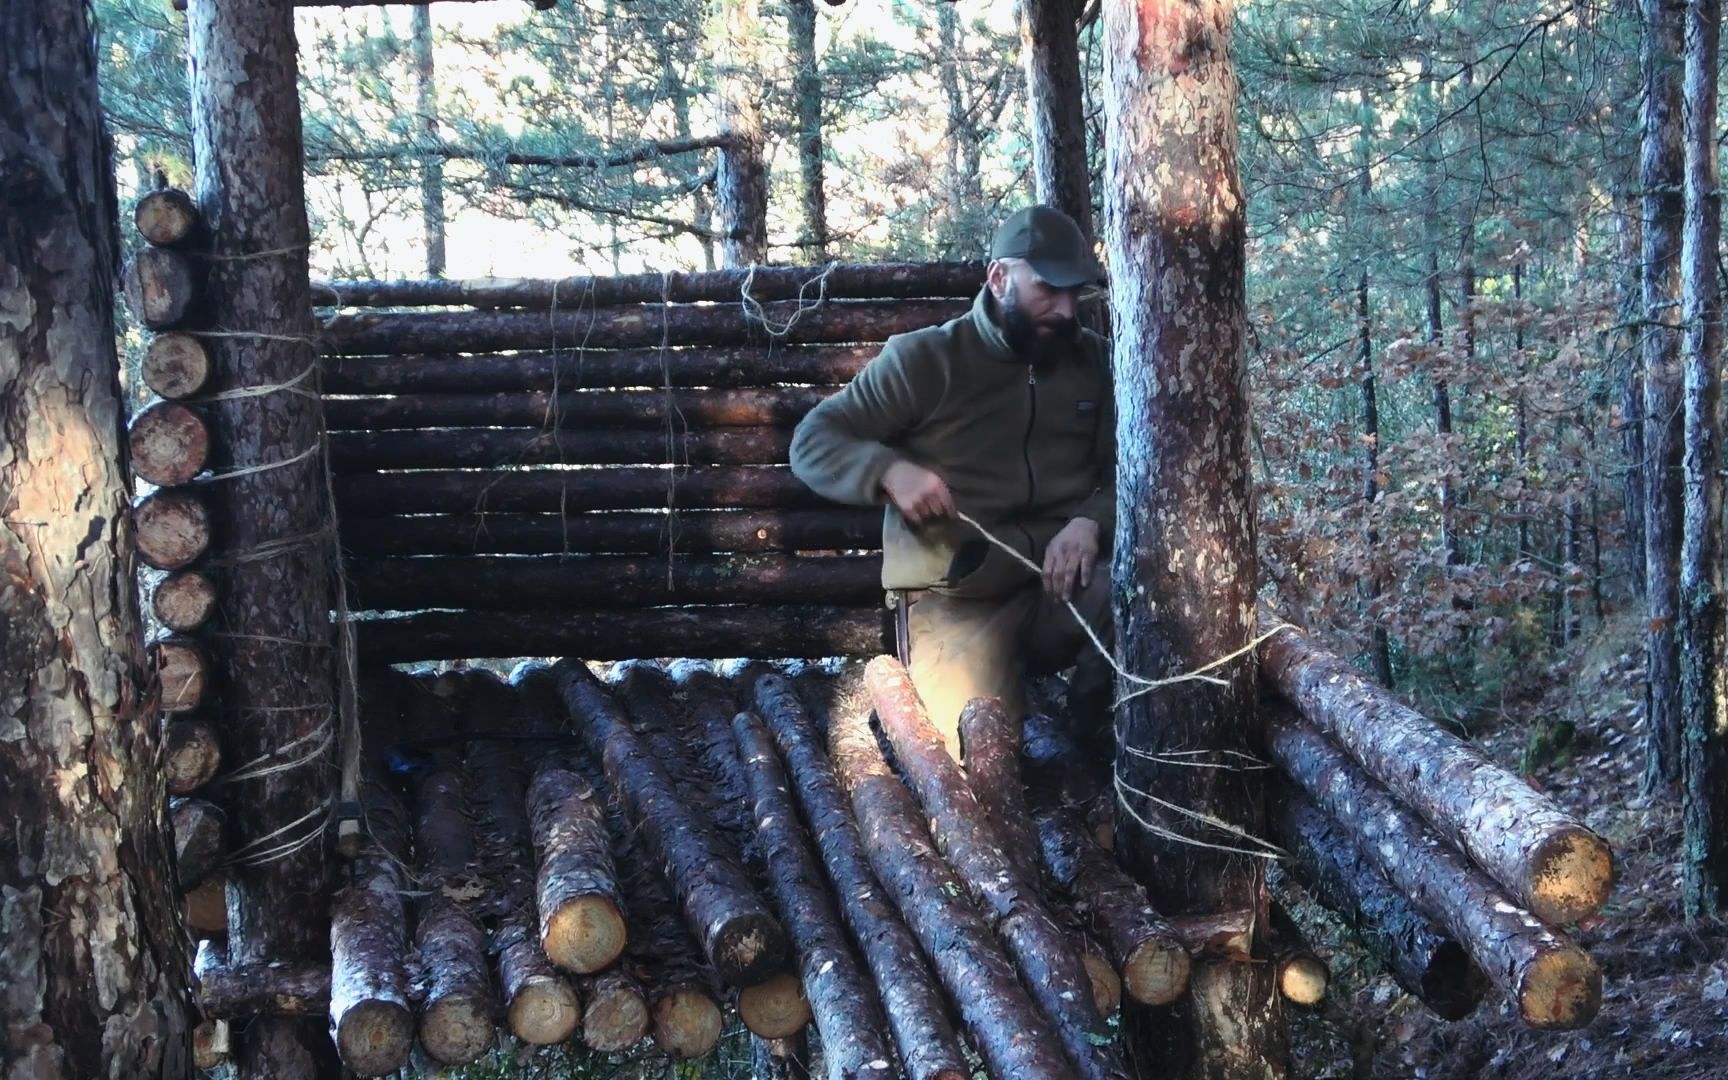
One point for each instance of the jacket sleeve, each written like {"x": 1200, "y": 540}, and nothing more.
{"x": 1100, "y": 506}
{"x": 845, "y": 444}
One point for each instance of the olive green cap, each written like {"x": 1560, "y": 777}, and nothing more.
{"x": 1048, "y": 239}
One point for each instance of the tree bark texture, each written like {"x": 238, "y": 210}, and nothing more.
{"x": 1629, "y": 375}
{"x": 571, "y": 491}
{"x": 927, "y": 1044}
{"x": 171, "y": 529}
{"x": 807, "y": 94}
{"x": 232, "y": 991}
{"x": 844, "y": 281}
{"x": 647, "y": 326}
{"x": 1049, "y": 965}
{"x": 431, "y": 169}
{"x": 720, "y": 367}
{"x": 495, "y": 448}
{"x": 1420, "y": 956}
{"x": 370, "y": 1019}
{"x": 1547, "y": 861}
{"x": 791, "y": 631}
{"x": 275, "y": 652}
{"x": 580, "y": 904}
{"x": 739, "y": 936}
{"x": 583, "y": 410}
{"x": 683, "y": 532}
{"x": 741, "y": 187}
{"x": 844, "y": 1004}
{"x": 1661, "y": 178}
{"x": 1703, "y": 636}
{"x": 555, "y": 583}
{"x": 1011, "y": 1035}
{"x": 1050, "y": 51}
{"x": 1553, "y": 983}
{"x": 1184, "y": 545}
{"x": 91, "y": 950}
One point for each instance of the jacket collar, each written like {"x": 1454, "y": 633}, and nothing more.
{"x": 989, "y": 330}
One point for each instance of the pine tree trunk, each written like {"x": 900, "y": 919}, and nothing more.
{"x": 432, "y": 169}
{"x": 1050, "y": 51}
{"x": 87, "y": 859}
{"x": 807, "y": 93}
{"x": 1184, "y": 547}
{"x": 741, "y": 191}
{"x": 1661, "y": 179}
{"x": 1628, "y": 368}
{"x": 1703, "y": 638}
{"x": 1379, "y": 642}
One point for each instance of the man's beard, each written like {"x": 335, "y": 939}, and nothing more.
{"x": 1022, "y": 334}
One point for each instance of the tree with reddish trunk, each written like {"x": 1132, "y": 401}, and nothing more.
{"x": 1184, "y": 547}
{"x": 92, "y": 959}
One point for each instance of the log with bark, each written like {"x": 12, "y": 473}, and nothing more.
{"x": 845, "y": 1008}
{"x": 1051, "y": 968}
{"x": 171, "y": 528}
{"x": 652, "y": 533}
{"x": 834, "y": 321}
{"x": 869, "y": 281}
{"x": 169, "y": 444}
{"x": 167, "y": 217}
{"x": 1420, "y": 956}
{"x": 1553, "y": 983}
{"x": 581, "y": 920}
{"x": 229, "y": 991}
{"x": 200, "y": 843}
{"x": 1548, "y": 861}
{"x": 488, "y": 448}
{"x": 744, "y": 487}
{"x": 175, "y": 365}
{"x": 205, "y": 907}
{"x": 162, "y": 287}
{"x": 1013, "y": 1037}
{"x": 558, "y": 583}
{"x": 582, "y": 410}
{"x": 1302, "y": 974}
{"x": 184, "y": 601}
{"x": 183, "y": 672}
{"x": 911, "y": 998}
{"x": 370, "y": 1018}
{"x": 621, "y": 635}
{"x": 192, "y": 754}
{"x": 722, "y": 367}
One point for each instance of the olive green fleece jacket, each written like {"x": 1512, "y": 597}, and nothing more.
{"x": 1024, "y": 448}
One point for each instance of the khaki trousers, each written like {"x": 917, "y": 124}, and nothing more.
{"x": 965, "y": 648}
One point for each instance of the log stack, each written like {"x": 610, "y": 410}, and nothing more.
{"x": 597, "y": 467}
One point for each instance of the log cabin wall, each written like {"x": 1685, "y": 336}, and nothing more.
{"x": 597, "y": 467}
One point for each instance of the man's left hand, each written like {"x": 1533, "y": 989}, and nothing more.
{"x": 1069, "y": 559}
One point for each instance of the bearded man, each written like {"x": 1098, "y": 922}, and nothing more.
{"x": 1005, "y": 414}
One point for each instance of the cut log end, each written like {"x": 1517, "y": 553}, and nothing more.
{"x": 1156, "y": 972}
{"x": 206, "y": 907}
{"x": 176, "y": 366}
{"x": 1572, "y": 874}
{"x": 169, "y": 444}
{"x": 192, "y": 755}
{"x": 166, "y": 217}
{"x": 457, "y": 1029}
{"x": 585, "y": 934}
{"x": 616, "y": 1018}
{"x": 1106, "y": 984}
{"x": 1302, "y": 979}
{"x": 160, "y": 287}
{"x": 171, "y": 529}
{"x": 687, "y": 1023}
{"x": 184, "y": 601}
{"x": 544, "y": 1011}
{"x": 210, "y": 1045}
{"x": 184, "y": 672}
{"x": 1561, "y": 990}
{"x": 749, "y": 948}
{"x": 775, "y": 1009}
{"x": 375, "y": 1038}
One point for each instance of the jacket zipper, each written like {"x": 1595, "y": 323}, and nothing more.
{"x": 1031, "y": 420}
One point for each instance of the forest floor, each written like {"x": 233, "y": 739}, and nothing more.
{"x": 1576, "y": 730}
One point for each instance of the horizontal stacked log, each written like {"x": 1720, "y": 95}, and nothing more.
{"x": 489, "y": 448}
{"x": 682, "y": 533}
{"x": 183, "y": 671}
{"x": 580, "y": 906}
{"x": 229, "y": 991}
{"x": 558, "y": 583}
{"x": 570, "y": 491}
{"x": 1302, "y": 975}
{"x": 1549, "y": 862}
{"x": 722, "y": 367}
{"x": 199, "y": 841}
{"x": 581, "y": 410}
{"x": 646, "y": 326}
{"x": 167, "y": 218}
{"x": 171, "y": 528}
{"x": 1420, "y": 956}
{"x": 168, "y": 444}
{"x": 911, "y": 996}
{"x": 175, "y": 365}
{"x": 184, "y": 601}
{"x": 192, "y": 755}
{"x": 1554, "y": 984}
{"x": 761, "y": 283}
{"x": 161, "y": 287}
{"x": 621, "y": 635}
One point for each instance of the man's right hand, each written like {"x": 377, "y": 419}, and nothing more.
{"x": 919, "y": 494}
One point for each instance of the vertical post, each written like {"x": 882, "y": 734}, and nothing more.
{"x": 91, "y": 962}
{"x": 1184, "y": 547}
{"x": 1050, "y": 50}
{"x": 741, "y": 188}
{"x": 273, "y": 637}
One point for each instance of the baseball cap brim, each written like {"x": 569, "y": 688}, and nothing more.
{"x": 1068, "y": 273}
